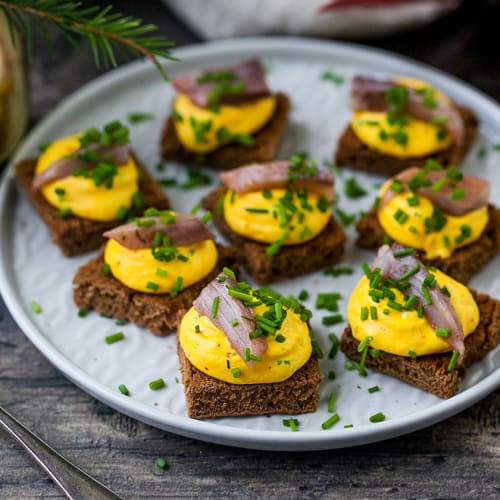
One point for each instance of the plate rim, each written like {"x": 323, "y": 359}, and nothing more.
{"x": 207, "y": 430}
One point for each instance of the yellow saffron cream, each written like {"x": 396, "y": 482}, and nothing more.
{"x": 409, "y": 229}
{"x": 258, "y": 215}
{"x": 422, "y": 138}
{"x": 202, "y": 130}
{"x": 402, "y": 332}
{"x": 210, "y": 351}
{"x": 81, "y": 195}
{"x": 138, "y": 269}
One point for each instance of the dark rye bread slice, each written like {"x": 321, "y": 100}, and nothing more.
{"x": 462, "y": 265}
{"x": 266, "y": 142}
{"x": 74, "y": 235}
{"x": 429, "y": 373}
{"x": 354, "y": 154}
{"x": 326, "y": 249}
{"x": 207, "y": 397}
{"x": 158, "y": 313}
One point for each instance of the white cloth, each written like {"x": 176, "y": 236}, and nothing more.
{"x": 228, "y": 18}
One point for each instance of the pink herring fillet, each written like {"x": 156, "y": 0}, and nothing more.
{"x": 476, "y": 191}
{"x": 64, "y": 167}
{"x": 368, "y": 94}
{"x": 439, "y": 314}
{"x": 250, "y": 72}
{"x": 276, "y": 174}
{"x": 186, "y": 230}
{"x": 230, "y": 308}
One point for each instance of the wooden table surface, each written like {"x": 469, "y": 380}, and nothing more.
{"x": 455, "y": 458}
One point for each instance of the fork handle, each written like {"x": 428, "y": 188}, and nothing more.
{"x": 74, "y": 482}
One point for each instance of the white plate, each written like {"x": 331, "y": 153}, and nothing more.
{"x": 31, "y": 268}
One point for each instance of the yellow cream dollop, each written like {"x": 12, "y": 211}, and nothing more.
{"x": 402, "y": 332}
{"x": 423, "y": 138}
{"x": 81, "y": 195}
{"x": 412, "y": 231}
{"x": 210, "y": 350}
{"x": 245, "y": 119}
{"x": 139, "y": 270}
{"x": 265, "y": 226}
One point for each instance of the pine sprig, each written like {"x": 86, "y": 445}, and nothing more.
{"x": 109, "y": 33}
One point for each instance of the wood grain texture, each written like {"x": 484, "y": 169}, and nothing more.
{"x": 457, "y": 458}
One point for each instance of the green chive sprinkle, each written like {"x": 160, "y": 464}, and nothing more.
{"x": 115, "y": 337}
{"x": 157, "y": 384}
{"x": 412, "y": 354}
{"x": 235, "y": 322}
{"x": 410, "y": 272}
{"x": 366, "y": 270}
{"x": 348, "y": 426}
{"x": 257, "y": 210}
{"x": 236, "y": 372}
{"x": 246, "y": 354}
{"x": 106, "y": 269}
{"x": 400, "y": 216}
{"x": 331, "y": 402}
{"x": 161, "y": 463}
{"x": 330, "y": 422}
{"x": 394, "y": 305}
{"x": 123, "y": 389}
{"x": 229, "y": 273}
{"x": 373, "y": 313}
{"x": 315, "y": 346}
{"x": 364, "y": 313}
{"x": 335, "y": 345}
{"x": 438, "y": 185}
{"x": 378, "y": 417}
{"x": 453, "y": 361}
{"x": 443, "y": 332}
{"x": 303, "y": 295}
{"x": 427, "y": 295}
{"x": 35, "y": 307}
{"x": 331, "y": 375}
{"x": 364, "y": 343}
{"x": 458, "y": 194}
{"x": 197, "y": 329}
{"x": 161, "y": 272}
{"x": 215, "y": 307}
{"x": 332, "y": 320}
{"x": 151, "y": 285}
{"x": 82, "y": 312}
{"x": 373, "y": 389}
{"x": 121, "y": 322}
{"x": 121, "y": 213}
{"x": 410, "y": 303}
{"x": 293, "y": 423}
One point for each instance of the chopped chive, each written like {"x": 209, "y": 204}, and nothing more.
{"x": 207, "y": 216}
{"x": 331, "y": 375}
{"x": 303, "y": 295}
{"x": 161, "y": 463}
{"x": 120, "y": 322}
{"x": 229, "y": 273}
{"x": 378, "y": 417}
{"x": 266, "y": 194}
{"x": 397, "y": 186}
{"x": 161, "y": 272}
{"x": 215, "y": 307}
{"x": 64, "y": 212}
{"x": 121, "y": 213}
{"x": 335, "y": 345}
{"x": 413, "y": 201}
{"x": 235, "y": 322}
{"x": 394, "y": 305}
{"x": 280, "y": 338}
{"x": 257, "y": 210}
{"x": 35, "y": 307}
{"x": 82, "y": 312}
{"x": 458, "y": 194}
{"x": 106, "y": 269}
{"x": 138, "y": 117}
{"x": 293, "y": 423}
{"x": 197, "y": 329}
{"x": 364, "y": 343}
{"x": 315, "y": 346}
{"x": 412, "y": 354}
{"x": 348, "y": 426}
{"x": 446, "y": 241}
{"x": 373, "y": 389}
{"x": 366, "y": 270}
{"x": 438, "y": 185}
{"x": 115, "y": 337}
{"x": 443, "y": 332}
{"x": 373, "y": 313}
{"x": 410, "y": 303}
{"x": 332, "y": 77}
{"x": 154, "y": 385}
{"x": 410, "y": 272}
{"x": 123, "y": 389}
{"x": 376, "y": 202}
{"x": 427, "y": 295}
{"x": 236, "y": 372}
{"x": 330, "y": 422}
{"x": 400, "y": 216}
{"x": 246, "y": 354}
{"x": 335, "y": 319}
{"x": 446, "y": 291}
{"x": 374, "y": 352}
{"x": 364, "y": 313}
{"x": 151, "y": 285}
{"x": 453, "y": 361}
{"x": 331, "y": 402}
{"x": 275, "y": 247}
{"x": 420, "y": 310}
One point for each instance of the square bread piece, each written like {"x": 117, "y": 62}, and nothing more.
{"x": 326, "y": 249}
{"x": 465, "y": 261}
{"x": 159, "y": 313}
{"x": 207, "y": 397}
{"x": 74, "y": 235}
{"x": 264, "y": 148}
{"x": 429, "y": 373}
{"x": 352, "y": 153}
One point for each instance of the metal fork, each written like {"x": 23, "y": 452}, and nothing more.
{"x": 74, "y": 482}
